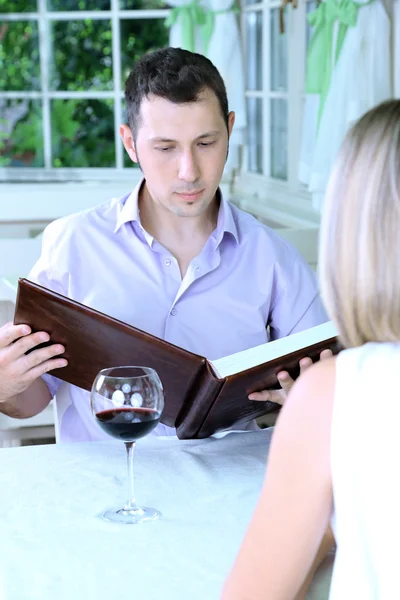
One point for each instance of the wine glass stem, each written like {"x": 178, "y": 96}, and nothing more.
{"x": 131, "y": 503}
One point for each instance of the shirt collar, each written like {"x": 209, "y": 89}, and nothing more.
{"x": 130, "y": 209}
{"x": 225, "y": 222}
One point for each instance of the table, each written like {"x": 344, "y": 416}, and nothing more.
{"x": 55, "y": 546}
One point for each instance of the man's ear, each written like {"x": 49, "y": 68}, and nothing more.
{"x": 128, "y": 141}
{"x": 231, "y": 122}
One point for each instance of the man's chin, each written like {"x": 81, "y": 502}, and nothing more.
{"x": 192, "y": 209}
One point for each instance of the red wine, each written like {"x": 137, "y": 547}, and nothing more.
{"x": 128, "y": 423}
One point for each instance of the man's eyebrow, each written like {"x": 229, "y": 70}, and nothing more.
{"x": 164, "y": 140}
{"x": 208, "y": 134}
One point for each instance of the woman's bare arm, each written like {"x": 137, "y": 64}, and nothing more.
{"x": 295, "y": 505}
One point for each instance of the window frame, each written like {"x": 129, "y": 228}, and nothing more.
{"x": 48, "y": 173}
{"x": 286, "y": 201}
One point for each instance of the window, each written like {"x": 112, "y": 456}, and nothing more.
{"x": 63, "y": 65}
{"x": 275, "y": 77}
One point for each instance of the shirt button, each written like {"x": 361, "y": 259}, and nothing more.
{"x": 167, "y": 262}
{"x": 173, "y": 311}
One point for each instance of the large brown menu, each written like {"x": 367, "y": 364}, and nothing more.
{"x": 201, "y": 396}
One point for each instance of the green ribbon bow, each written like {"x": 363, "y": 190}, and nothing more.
{"x": 320, "y": 59}
{"x": 192, "y": 16}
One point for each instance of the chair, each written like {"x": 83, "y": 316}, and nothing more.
{"x": 305, "y": 240}
{"x": 20, "y": 254}
{"x": 319, "y": 588}
{"x": 15, "y": 431}
{"x": 7, "y": 301}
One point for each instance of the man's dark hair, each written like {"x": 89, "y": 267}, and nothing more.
{"x": 173, "y": 74}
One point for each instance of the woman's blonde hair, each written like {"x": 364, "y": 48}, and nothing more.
{"x": 359, "y": 255}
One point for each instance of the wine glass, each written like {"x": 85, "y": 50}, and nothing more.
{"x": 127, "y": 403}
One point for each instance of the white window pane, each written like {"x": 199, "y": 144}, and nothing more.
{"x": 21, "y": 142}
{"x": 82, "y": 133}
{"x": 254, "y": 133}
{"x": 80, "y": 56}
{"x": 254, "y": 24}
{"x": 278, "y": 54}
{"x": 78, "y": 5}
{"x": 139, "y": 37}
{"x": 19, "y": 56}
{"x": 278, "y": 137}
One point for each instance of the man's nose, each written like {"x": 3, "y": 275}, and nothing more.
{"x": 188, "y": 168}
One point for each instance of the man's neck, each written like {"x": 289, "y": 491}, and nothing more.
{"x": 184, "y": 237}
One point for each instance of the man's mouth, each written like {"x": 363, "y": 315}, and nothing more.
{"x": 189, "y": 196}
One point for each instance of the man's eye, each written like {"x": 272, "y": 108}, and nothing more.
{"x": 164, "y": 148}
{"x": 206, "y": 144}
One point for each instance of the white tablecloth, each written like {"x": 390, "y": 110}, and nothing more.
{"x": 54, "y": 546}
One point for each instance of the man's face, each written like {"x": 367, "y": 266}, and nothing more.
{"x": 182, "y": 150}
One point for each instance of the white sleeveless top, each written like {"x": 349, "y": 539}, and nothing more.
{"x": 365, "y": 456}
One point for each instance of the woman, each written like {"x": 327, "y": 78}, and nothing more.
{"x": 334, "y": 457}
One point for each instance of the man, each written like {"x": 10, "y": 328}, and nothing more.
{"x": 173, "y": 257}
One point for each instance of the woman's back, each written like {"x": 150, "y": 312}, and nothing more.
{"x": 365, "y": 455}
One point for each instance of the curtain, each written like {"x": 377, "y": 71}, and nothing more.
{"x": 360, "y": 79}
{"x": 218, "y": 39}
{"x": 396, "y": 47}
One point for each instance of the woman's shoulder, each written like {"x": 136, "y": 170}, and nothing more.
{"x": 307, "y": 413}
{"x": 316, "y": 386}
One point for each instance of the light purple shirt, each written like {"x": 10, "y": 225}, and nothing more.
{"x": 245, "y": 279}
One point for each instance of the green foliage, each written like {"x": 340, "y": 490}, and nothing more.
{"x": 9, "y": 6}
{"x": 27, "y": 132}
{"x": 4, "y": 160}
{"x": 78, "y": 4}
{"x": 82, "y": 133}
{"x": 138, "y": 38}
{"x": 82, "y": 55}
{"x": 80, "y": 60}
{"x": 142, "y": 4}
{"x": 19, "y": 56}
{"x": 25, "y": 145}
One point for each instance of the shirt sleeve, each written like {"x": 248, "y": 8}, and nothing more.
{"x": 297, "y": 304}
{"x": 45, "y": 273}
{"x": 314, "y": 315}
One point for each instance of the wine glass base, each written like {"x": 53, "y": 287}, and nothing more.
{"x": 132, "y": 516}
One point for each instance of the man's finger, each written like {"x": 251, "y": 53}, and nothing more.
{"x": 305, "y": 363}
{"x": 285, "y": 380}
{"x": 277, "y": 396}
{"x": 26, "y": 343}
{"x": 45, "y": 367}
{"x": 325, "y": 354}
{"x": 25, "y": 380}
{"x": 37, "y": 357}
{"x": 9, "y": 333}
{"x": 260, "y": 396}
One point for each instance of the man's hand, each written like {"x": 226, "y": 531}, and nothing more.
{"x": 17, "y": 370}
{"x": 279, "y": 396}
